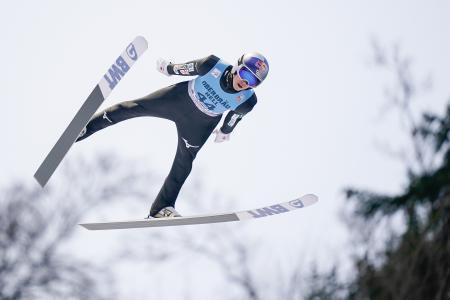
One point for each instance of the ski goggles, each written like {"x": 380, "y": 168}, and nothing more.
{"x": 248, "y": 76}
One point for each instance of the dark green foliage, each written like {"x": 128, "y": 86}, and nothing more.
{"x": 416, "y": 263}
{"x": 325, "y": 287}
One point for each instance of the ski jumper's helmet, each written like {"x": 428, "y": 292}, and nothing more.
{"x": 252, "y": 67}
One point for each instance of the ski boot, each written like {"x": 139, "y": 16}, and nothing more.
{"x": 166, "y": 212}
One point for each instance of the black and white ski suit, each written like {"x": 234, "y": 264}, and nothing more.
{"x": 193, "y": 125}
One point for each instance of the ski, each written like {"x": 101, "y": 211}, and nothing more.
{"x": 101, "y": 91}
{"x": 276, "y": 209}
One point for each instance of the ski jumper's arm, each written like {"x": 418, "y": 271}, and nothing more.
{"x": 233, "y": 117}
{"x": 195, "y": 67}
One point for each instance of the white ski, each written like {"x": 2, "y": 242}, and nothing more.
{"x": 101, "y": 91}
{"x": 276, "y": 209}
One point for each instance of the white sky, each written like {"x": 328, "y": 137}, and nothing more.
{"x": 314, "y": 127}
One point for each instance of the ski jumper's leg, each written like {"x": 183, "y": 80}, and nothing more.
{"x": 158, "y": 104}
{"x": 194, "y": 128}
{"x": 187, "y": 149}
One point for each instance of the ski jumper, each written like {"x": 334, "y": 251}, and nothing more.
{"x": 195, "y": 106}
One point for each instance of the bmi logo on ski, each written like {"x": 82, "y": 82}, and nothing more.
{"x": 120, "y": 67}
{"x": 267, "y": 211}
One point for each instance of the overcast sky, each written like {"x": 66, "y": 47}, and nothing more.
{"x": 313, "y": 130}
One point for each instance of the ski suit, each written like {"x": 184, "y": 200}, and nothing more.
{"x": 195, "y": 106}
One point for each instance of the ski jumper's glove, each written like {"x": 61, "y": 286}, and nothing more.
{"x": 220, "y": 136}
{"x": 161, "y": 66}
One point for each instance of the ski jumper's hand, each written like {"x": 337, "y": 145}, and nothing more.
{"x": 161, "y": 66}
{"x": 220, "y": 136}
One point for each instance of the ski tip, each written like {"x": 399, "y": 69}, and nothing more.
{"x": 309, "y": 199}
{"x": 140, "y": 40}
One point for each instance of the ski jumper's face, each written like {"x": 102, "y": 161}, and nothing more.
{"x": 239, "y": 84}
